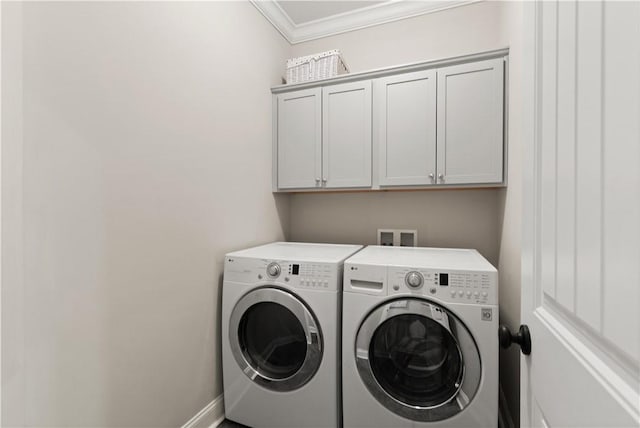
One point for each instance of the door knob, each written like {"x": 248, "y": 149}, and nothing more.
{"x": 522, "y": 338}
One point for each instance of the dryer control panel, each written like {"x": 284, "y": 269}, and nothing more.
{"x": 311, "y": 275}
{"x": 287, "y": 273}
{"x": 446, "y": 285}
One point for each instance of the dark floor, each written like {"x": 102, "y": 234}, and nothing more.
{"x": 230, "y": 424}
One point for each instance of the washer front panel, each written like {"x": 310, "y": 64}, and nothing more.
{"x": 418, "y": 359}
{"x": 291, "y": 356}
{"x": 447, "y": 285}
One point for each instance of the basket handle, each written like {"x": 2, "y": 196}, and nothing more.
{"x": 312, "y": 66}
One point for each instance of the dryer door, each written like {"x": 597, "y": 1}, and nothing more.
{"x": 275, "y": 339}
{"x": 418, "y": 360}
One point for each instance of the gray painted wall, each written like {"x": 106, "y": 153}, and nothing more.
{"x": 458, "y": 219}
{"x": 146, "y": 156}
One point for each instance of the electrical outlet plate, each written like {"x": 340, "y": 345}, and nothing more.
{"x": 398, "y": 237}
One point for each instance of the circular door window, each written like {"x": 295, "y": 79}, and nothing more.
{"x": 418, "y": 360}
{"x": 275, "y": 339}
{"x": 272, "y": 340}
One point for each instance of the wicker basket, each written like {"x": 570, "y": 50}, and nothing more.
{"x": 315, "y": 67}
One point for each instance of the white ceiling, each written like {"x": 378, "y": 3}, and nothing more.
{"x": 300, "y": 21}
{"x": 302, "y": 12}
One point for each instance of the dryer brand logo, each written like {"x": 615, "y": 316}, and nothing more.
{"x": 487, "y": 314}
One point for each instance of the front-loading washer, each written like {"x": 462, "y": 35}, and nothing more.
{"x": 420, "y": 342}
{"x": 281, "y": 334}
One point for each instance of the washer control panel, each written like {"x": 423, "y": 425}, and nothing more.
{"x": 447, "y": 285}
{"x": 320, "y": 276}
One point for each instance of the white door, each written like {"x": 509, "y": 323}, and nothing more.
{"x": 299, "y": 139}
{"x": 406, "y": 128}
{"x": 470, "y": 122}
{"x": 346, "y": 136}
{"x": 581, "y": 242}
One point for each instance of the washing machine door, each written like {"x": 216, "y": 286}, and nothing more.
{"x": 275, "y": 339}
{"x": 418, "y": 360}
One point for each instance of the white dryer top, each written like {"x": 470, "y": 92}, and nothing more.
{"x": 423, "y": 258}
{"x": 298, "y": 251}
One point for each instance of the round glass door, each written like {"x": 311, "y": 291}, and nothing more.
{"x": 275, "y": 339}
{"x": 418, "y": 360}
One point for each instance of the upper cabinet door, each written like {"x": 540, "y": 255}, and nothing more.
{"x": 406, "y": 128}
{"x": 470, "y": 123}
{"x": 347, "y": 135}
{"x": 299, "y": 139}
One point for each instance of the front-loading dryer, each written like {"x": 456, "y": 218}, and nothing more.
{"x": 281, "y": 334}
{"x": 420, "y": 342}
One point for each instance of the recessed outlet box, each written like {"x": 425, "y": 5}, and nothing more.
{"x": 398, "y": 237}
{"x": 385, "y": 237}
{"x": 408, "y": 238}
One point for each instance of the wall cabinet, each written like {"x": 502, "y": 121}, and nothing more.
{"x": 470, "y": 123}
{"x": 324, "y": 137}
{"x": 441, "y": 127}
{"x": 299, "y": 139}
{"x": 406, "y": 129}
{"x": 426, "y": 125}
{"x": 346, "y": 135}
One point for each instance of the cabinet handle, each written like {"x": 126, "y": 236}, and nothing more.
{"x": 431, "y": 176}
{"x": 317, "y": 181}
{"x": 441, "y": 177}
{"x": 324, "y": 181}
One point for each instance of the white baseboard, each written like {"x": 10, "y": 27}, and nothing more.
{"x": 504, "y": 416}
{"x": 210, "y": 417}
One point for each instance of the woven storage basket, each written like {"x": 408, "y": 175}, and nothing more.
{"x": 315, "y": 67}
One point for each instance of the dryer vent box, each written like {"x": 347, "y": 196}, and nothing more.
{"x": 397, "y": 238}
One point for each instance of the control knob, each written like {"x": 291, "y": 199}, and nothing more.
{"x": 273, "y": 270}
{"x": 414, "y": 279}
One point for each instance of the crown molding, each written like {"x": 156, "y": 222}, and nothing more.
{"x": 277, "y": 17}
{"x": 389, "y": 11}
